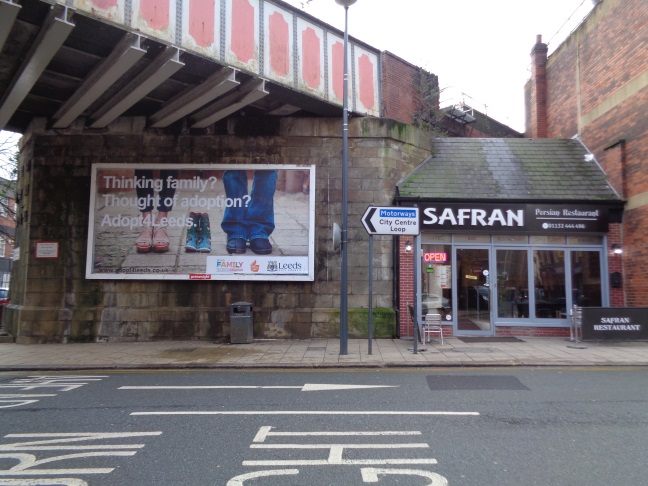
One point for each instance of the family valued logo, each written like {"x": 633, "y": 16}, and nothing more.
{"x": 223, "y": 266}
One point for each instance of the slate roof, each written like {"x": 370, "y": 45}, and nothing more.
{"x": 508, "y": 168}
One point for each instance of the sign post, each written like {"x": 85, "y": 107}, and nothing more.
{"x": 388, "y": 221}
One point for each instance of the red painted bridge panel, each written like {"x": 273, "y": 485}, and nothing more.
{"x": 201, "y": 21}
{"x": 311, "y": 61}
{"x": 156, "y": 13}
{"x": 279, "y": 45}
{"x": 243, "y": 30}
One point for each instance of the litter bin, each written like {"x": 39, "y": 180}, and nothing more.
{"x": 241, "y": 323}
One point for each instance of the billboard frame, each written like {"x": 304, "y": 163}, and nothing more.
{"x": 269, "y": 267}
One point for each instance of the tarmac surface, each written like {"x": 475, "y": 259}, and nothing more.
{"x": 321, "y": 353}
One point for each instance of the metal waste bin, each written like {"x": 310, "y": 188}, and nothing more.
{"x": 241, "y": 323}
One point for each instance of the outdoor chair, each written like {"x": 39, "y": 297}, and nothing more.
{"x": 432, "y": 325}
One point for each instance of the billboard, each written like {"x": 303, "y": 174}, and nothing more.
{"x": 201, "y": 222}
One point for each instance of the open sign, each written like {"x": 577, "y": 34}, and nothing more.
{"x": 435, "y": 256}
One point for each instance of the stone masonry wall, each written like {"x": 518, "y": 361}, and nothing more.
{"x": 55, "y": 303}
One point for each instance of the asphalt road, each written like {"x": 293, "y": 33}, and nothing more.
{"x": 510, "y": 426}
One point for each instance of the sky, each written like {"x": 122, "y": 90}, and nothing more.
{"x": 479, "y": 49}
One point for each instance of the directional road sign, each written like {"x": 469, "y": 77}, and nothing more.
{"x": 391, "y": 221}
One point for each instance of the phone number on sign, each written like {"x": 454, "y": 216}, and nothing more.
{"x": 563, "y": 226}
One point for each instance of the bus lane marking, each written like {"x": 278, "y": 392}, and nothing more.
{"x": 336, "y": 450}
{"x": 267, "y": 438}
{"x": 29, "y": 464}
{"x": 62, "y": 382}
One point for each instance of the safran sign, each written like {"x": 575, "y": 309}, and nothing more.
{"x": 201, "y": 222}
{"x": 615, "y": 324}
{"x": 515, "y": 218}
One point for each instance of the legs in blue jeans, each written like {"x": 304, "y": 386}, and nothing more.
{"x": 253, "y": 219}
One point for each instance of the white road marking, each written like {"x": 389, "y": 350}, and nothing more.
{"x": 418, "y": 413}
{"x": 340, "y": 462}
{"x": 70, "y": 438}
{"x": 44, "y": 482}
{"x": 306, "y": 387}
{"x": 408, "y": 445}
{"x": 29, "y": 386}
{"x": 26, "y": 395}
{"x": 239, "y": 480}
{"x": 337, "y": 451}
{"x": 64, "y": 382}
{"x": 266, "y": 431}
{"x": 29, "y": 464}
{"x": 10, "y": 398}
{"x": 370, "y": 475}
{"x": 64, "y": 377}
{"x": 15, "y": 403}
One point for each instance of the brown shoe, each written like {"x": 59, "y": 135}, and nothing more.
{"x": 144, "y": 241}
{"x": 160, "y": 240}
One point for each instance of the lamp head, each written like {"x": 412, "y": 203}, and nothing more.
{"x": 408, "y": 244}
{"x": 345, "y": 3}
{"x": 616, "y": 249}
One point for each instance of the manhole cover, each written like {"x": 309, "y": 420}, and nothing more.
{"x": 474, "y": 382}
{"x": 472, "y": 350}
{"x": 181, "y": 350}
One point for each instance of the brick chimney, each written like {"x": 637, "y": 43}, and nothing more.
{"x": 538, "y": 96}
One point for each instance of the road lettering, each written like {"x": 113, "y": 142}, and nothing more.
{"x": 31, "y": 457}
{"x": 61, "y": 383}
{"x": 366, "y": 453}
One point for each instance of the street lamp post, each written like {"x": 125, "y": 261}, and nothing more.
{"x": 344, "y": 309}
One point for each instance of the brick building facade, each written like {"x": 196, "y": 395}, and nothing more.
{"x": 594, "y": 86}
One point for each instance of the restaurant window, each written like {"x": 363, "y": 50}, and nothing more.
{"x": 512, "y": 283}
{"x": 436, "y": 276}
{"x": 549, "y": 283}
{"x": 586, "y": 278}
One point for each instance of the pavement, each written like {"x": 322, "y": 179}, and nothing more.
{"x": 320, "y": 353}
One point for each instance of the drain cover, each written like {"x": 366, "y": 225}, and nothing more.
{"x": 474, "y": 382}
{"x": 472, "y": 350}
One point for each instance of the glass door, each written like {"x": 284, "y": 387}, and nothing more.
{"x": 474, "y": 291}
{"x": 512, "y": 283}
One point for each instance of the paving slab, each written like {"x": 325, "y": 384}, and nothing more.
{"x": 318, "y": 353}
